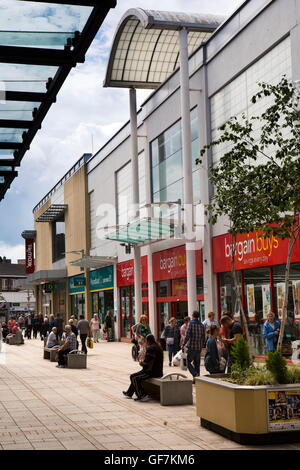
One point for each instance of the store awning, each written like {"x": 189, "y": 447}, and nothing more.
{"x": 145, "y": 49}
{"x": 143, "y": 232}
{"x": 40, "y": 42}
{"x": 95, "y": 262}
{"x": 43, "y": 276}
{"x": 54, "y": 212}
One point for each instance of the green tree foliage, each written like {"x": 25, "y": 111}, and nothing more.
{"x": 276, "y": 364}
{"x": 256, "y": 181}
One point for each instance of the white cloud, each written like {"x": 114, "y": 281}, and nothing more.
{"x": 84, "y": 112}
{"x": 12, "y": 252}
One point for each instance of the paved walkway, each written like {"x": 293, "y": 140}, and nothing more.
{"x": 43, "y": 407}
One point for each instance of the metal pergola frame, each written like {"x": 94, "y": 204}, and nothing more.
{"x": 65, "y": 60}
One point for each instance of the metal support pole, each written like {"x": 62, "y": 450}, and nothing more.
{"x": 135, "y": 201}
{"x": 187, "y": 172}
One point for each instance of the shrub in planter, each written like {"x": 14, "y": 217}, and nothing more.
{"x": 276, "y": 364}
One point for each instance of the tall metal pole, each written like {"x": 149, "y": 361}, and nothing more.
{"x": 187, "y": 171}
{"x": 135, "y": 200}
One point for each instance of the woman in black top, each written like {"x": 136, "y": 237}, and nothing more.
{"x": 172, "y": 335}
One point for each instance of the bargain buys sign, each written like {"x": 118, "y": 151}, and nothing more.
{"x": 171, "y": 264}
{"x": 252, "y": 251}
{"x": 29, "y": 248}
{"x": 125, "y": 272}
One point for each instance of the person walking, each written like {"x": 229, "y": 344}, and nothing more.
{"x": 21, "y": 322}
{"x": 212, "y": 359}
{"x": 40, "y": 323}
{"x": 183, "y": 328}
{"x": 172, "y": 335}
{"x": 95, "y": 328}
{"x": 45, "y": 328}
{"x": 271, "y": 330}
{"x": 28, "y": 325}
{"x": 194, "y": 341}
{"x": 35, "y": 325}
{"x": 84, "y": 330}
{"x": 235, "y": 331}
{"x": 152, "y": 366}
{"x": 69, "y": 345}
{"x": 210, "y": 321}
{"x": 59, "y": 325}
{"x": 109, "y": 326}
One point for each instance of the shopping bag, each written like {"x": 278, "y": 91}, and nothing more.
{"x": 90, "y": 343}
{"x": 183, "y": 361}
{"x": 177, "y": 358}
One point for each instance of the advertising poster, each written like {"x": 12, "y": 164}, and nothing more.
{"x": 296, "y": 295}
{"x": 251, "y": 301}
{"x": 223, "y": 299}
{"x": 280, "y": 298}
{"x": 284, "y": 410}
{"x": 266, "y": 296}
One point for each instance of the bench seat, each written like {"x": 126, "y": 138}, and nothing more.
{"x": 171, "y": 389}
{"x": 50, "y": 353}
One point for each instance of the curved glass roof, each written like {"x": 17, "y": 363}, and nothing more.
{"x": 145, "y": 49}
{"x": 40, "y": 42}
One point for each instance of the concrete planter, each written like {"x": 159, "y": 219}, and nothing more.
{"x": 240, "y": 412}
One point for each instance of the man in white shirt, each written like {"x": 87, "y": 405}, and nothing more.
{"x": 52, "y": 338}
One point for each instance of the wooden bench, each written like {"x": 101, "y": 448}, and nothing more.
{"x": 50, "y": 353}
{"x": 171, "y": 389}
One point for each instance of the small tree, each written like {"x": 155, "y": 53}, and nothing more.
{"x": 257, "y": 180}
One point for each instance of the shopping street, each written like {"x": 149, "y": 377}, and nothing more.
{"x": 43, "y": 407}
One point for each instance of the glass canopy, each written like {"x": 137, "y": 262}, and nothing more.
{"x": 40, "y": 42}
{"x": 145, "y": 49}
{"x": 143, "y": 232}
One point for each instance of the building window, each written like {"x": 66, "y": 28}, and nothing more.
{"x": 167, "y": 165}
{"x": 235, "y": 98}
{"x": 124, "y": 191}
{"x": 58, "y": 229}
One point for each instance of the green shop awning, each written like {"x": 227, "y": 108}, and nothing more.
{"x": 77, "y": 284}
{"x": 143, "y": 232}
{"x": 102, "y": 279}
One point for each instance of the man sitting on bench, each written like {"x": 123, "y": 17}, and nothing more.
{"x": 52, "y": 338}
{"x": 152, "y": 366}
{"x": 69, "y": 345}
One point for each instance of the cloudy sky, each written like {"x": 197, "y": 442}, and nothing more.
{"x": 85, "y": 116}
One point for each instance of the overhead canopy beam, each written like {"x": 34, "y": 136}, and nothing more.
{"x": 84, "y": 3}
{"x": 23, "y": 96}
{"x": 7, "y": 162}
{"x": 10, "y": 145}
{"x": 15, "y": 124}
{"x": 10, "y": 174}
{"x": 36, "y": 56}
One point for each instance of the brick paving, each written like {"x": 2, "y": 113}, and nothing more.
{"x": 43, "y": 407}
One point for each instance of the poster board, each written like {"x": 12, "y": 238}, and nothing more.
{"x": 251, "y": 301}
{"x": 296, "y": 296}
{"x": 266, "y": 297}
{"x": 283, "y": 410}
{"x": 280, "y": 298}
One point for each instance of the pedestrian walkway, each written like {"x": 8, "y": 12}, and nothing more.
{"x": 43, "y": 407}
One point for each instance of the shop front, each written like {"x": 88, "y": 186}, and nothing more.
{"x": 260, "y": 264}
{"x": 125, "y": 283}
{"x": 77, "y": 295}
{"x": 102, "y": 292}
{"x": 169, "y": 274}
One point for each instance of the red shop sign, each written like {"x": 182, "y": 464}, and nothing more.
{"x": 29, "y": 248}
{"x": 171, "y": 264}
{"x": 252, "y": 251}
{"x": 125, "y": 272}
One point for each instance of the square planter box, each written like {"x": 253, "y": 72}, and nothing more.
{"x": 241, "y": 413}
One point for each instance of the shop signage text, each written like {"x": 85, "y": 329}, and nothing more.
{"x": 29, "y": 245}
{"x": 125, "y": 272}
{"x": 252, "y": 251}
{"x": 102, "y": 278}
{"x": 171, "y": 264}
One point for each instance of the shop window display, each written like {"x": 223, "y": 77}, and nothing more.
{"x": 228, "y": 299}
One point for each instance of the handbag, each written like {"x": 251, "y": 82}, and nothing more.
{"x": 183, "y": 361}
{"x": 170, "y": 341}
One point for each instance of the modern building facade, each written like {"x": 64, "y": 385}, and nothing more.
{"x": 224, "y": 67}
